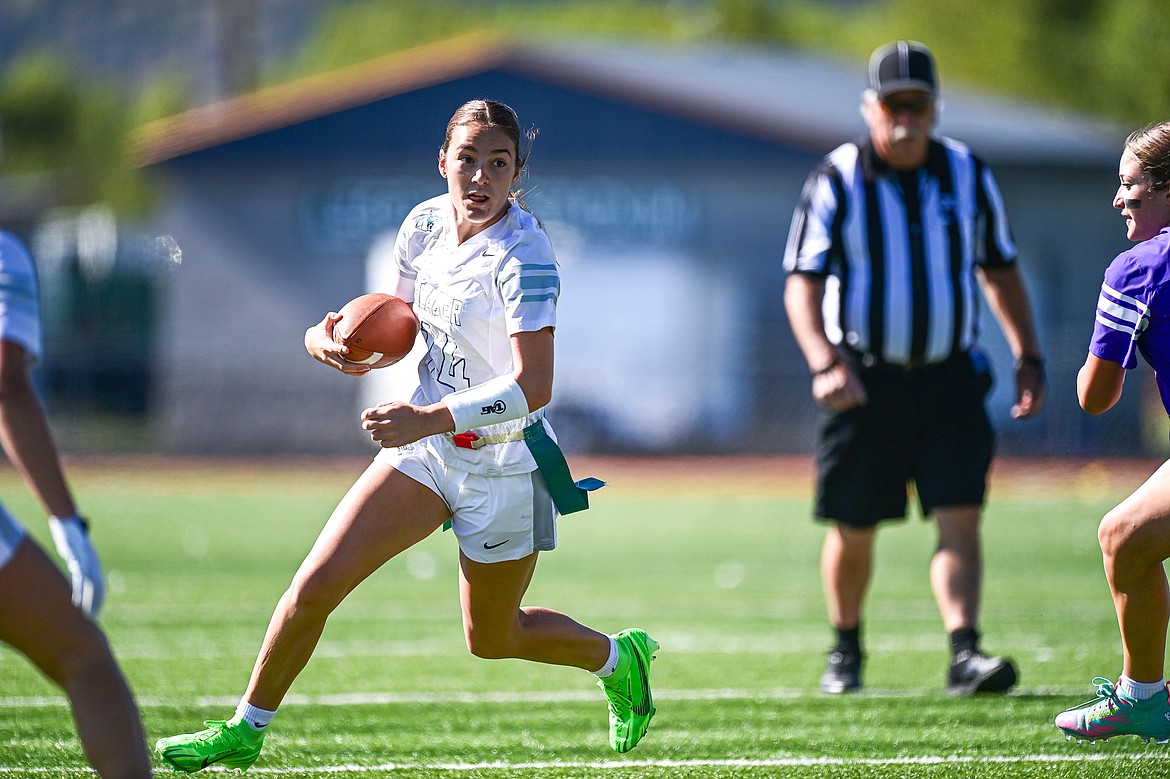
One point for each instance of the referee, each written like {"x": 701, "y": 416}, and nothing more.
{"x": 892, "y": 236}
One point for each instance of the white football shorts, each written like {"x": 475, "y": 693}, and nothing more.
{"x": 495, "y": 518}
{"x": 20, "y": 306}
{"x": 11, "y": 534}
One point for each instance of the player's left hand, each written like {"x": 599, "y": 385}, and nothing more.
{"x": 1031, "y": 389}
{"x": 71, "y": 537}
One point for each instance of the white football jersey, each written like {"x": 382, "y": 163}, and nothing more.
{"x": 470, "y": 298}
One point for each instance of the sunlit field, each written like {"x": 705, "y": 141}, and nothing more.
{"x": 718, "y": 560}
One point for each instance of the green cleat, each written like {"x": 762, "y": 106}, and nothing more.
{"x": 232, "y": 744}
{"x": 631, "y": 706}
{"x": 1113, "y": 713}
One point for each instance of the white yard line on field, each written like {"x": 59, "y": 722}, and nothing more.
{"x": 456, "y": 696}
{"x": 602, "y": 765}
{"x": 511, "y": 697}
{"x": 782, "y": 762}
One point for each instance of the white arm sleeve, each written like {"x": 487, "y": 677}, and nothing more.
{"x": 497, "y": 400}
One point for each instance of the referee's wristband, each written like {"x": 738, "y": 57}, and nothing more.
{"x": 822, "y": 371}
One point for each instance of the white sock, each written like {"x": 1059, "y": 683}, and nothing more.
{"x": 257, "y": 718}
{"x": 1140, "y": 691}
{"x": 607, "y": 670}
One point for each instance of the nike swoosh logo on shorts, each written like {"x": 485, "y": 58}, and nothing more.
{"x": 493, "y": 546}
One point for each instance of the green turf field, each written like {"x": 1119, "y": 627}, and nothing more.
{"x": 723, "y": 574}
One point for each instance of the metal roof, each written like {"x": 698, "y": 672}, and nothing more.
{"x": 786, "y": 96}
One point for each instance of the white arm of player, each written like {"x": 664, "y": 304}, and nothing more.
{"x": 72, "y": 541}
{"x": 497, "y": 400}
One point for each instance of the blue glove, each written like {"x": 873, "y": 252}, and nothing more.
{"x": 71, "y": 536}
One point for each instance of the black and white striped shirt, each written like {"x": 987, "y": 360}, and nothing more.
{"x": 898, "y": 251}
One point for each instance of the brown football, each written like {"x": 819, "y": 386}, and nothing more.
{"x": 379, "y": 329}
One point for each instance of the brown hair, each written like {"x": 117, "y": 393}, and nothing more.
{"x": 491, "y": 113}
{"x": 1151, "y": 146}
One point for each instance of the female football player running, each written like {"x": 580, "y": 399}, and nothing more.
{"x": 483, "y": 280}
{"x": 1133, "y": 314}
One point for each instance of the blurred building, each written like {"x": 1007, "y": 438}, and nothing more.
{"x": 666, "y": 178}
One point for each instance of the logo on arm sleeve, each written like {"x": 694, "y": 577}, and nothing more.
{"x": 499, "y": 407}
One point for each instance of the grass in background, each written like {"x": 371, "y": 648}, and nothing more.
{"x": 723, "y": 571}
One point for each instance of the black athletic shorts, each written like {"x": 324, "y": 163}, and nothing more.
{"x": 925, "y": 426}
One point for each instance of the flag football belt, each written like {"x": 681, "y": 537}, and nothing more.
{"x": 569, "y": 496}
{"x": 473, "y": 440}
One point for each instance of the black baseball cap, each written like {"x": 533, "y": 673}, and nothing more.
{"x": 902, "y": 66}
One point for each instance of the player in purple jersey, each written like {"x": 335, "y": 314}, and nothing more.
{"x": 1133, "y": 315}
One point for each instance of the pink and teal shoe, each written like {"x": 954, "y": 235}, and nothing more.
{"x": 1113, "y": 713}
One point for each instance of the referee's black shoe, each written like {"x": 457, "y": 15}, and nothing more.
{"x": 973, "y": 672}
{"x": 843, "y": 673}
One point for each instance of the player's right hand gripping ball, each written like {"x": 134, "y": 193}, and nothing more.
{"x": 379, "y": 329}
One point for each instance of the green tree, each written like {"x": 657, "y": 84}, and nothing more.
{"x": 356, "y": 32}
{"x": 1130, "y": 55}
{"x": 1098, "y": 56}
{"x": 68, "y": 138}
{"x": 746, "y": 20}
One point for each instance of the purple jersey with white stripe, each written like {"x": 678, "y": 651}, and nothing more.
{"x": 1133, "y": 311}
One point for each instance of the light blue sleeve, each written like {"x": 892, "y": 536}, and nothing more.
{"x": 530, "y": 283}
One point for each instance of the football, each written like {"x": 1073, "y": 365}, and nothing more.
{"x": 379, "y": 329}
